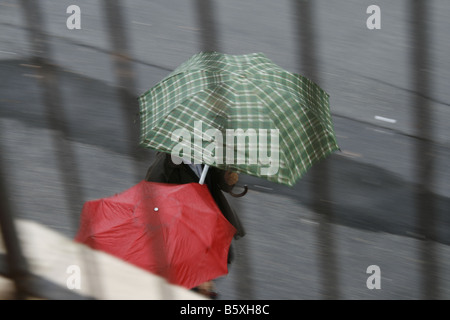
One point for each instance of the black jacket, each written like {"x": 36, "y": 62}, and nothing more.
{"x": 165, "y": 171}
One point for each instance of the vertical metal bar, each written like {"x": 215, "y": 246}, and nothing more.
{"x": 209, "y": 42}
{"x": 304, "y": 12}
{"x": 126, "y": 87}
{"x": 56, "y": 118}
{"x": 424, "y": 157}
{"x": 17, "y": 268}
{"x": 208, "y": 25}
{"x": 119, "y": 40}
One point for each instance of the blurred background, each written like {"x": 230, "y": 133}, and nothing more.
{"x": 69, "y": 131}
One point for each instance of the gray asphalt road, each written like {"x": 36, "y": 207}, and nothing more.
{"x": 291, "y": 251}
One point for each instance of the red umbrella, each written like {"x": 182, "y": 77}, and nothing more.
{"x": 175, "y": 231}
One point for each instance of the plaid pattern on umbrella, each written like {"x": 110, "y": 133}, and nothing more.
{"x": 247, "y": 92}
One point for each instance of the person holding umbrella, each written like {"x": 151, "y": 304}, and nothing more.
{"x": 164, "y": 170}
{"x": 236, "y": 93}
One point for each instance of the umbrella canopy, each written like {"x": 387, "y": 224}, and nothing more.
{"x": 175, "y": 231}
{"x": 239, "y": 112}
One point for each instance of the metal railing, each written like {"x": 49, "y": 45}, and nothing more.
{"x": 14, "y": 264}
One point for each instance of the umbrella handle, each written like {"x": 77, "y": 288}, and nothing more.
{"x": 204, "y": 172}
{"x": 238, "y": 195}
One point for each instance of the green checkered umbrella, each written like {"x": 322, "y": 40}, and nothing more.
{"x": 239, "y": 112}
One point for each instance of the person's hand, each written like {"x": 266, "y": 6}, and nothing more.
{"x": 231, "y": 178}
